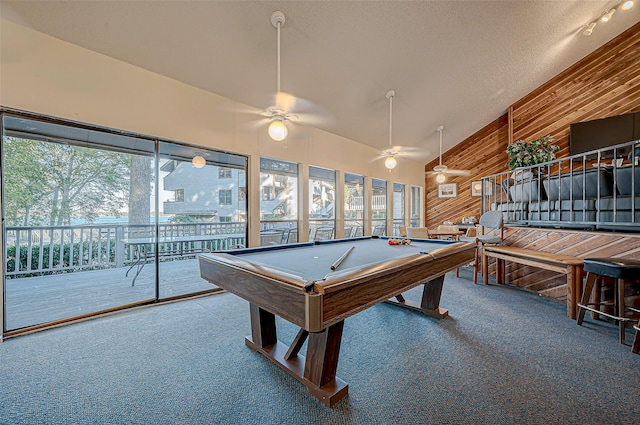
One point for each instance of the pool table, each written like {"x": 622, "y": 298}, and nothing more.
{"x": 296, "y": 282}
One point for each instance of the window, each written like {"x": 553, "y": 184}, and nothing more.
{"x": 378, "y": 207}
{"x": 278, "y": 201}
{"x": 224, "y": 173}
{"x": 398, "y": 207}
{"x": 224, "y": 197}
{"x": 322, "y": 203}
{"x": 353, "y": 205}
{"x": 224, "y": 219}
{"x": 178, "y": 195}
{"x": 416, "y": 206}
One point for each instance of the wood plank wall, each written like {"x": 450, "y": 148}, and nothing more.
{"x": 603, "y": 84}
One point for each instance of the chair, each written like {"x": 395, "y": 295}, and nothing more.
{"x": 493, "y": 220}
{"x": 447, "y": 228}
{"x": 324, "y": 234}
{"x": 417, "y": 233}
{"x": 403, "y": 231}
{"x": 621, "y": 270}
{"x": 636, "y": 342}
{"x": 469, "y": 236}
{"x": 271, "y": 237}
{"x": 379, "y": 231}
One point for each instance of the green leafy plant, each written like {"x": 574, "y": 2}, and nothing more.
{"x": 525, "y": 154}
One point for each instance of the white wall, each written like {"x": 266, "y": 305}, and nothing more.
{"x": 39, "y": 73}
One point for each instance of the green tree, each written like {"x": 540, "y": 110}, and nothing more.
{"x": 62, "y": 181}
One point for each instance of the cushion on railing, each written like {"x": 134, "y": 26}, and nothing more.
{"x": 623, "y": 209}
{"x": 620, "y": 202}
{"x": 571, "y": 185}
{"x": 532, "y": 190}
{"x": 511, "y": 206}
{"x": 577, "y": 204}
{"x": 623, "y": 180}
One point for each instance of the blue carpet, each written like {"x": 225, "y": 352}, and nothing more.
{"x": 504, "y": 356}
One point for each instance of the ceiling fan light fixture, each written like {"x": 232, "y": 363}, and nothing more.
{"x": 391, "y": 163}
{"x": 278, "y": 130}
{"x": 198, "y": 161}
{"x": 440, "y": 178}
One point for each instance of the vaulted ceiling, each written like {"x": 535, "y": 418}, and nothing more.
{"x": 454, "y": 63}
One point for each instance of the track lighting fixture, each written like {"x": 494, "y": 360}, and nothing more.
{"x": 607, "y": 15}
{"x": 589, "y": 29}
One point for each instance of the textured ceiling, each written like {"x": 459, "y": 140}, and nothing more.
{"x": 454, "y": 63}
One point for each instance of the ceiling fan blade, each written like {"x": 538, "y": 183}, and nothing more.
{"x": 285, "y": 101}
{"x": 458, "y": 172}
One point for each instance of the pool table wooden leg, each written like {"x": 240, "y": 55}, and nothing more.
{"x": 318, "y": 370}
{"x": 430, "y": 303}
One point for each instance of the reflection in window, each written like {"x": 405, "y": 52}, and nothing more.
{"x": 416, "y": 202}
{"x": 353, "y": 205}
{"x": 378, "y": 207}
{"x": 278, "y": 201}
{"x": 224, "y": 173}
{"x": 179, "y": 195}
{"x": 224, "y": 197}
{"x": 322, "y": 203}
{"x": 398, "y": 208}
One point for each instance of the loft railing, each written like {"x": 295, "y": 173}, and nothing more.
{"x": 34, "y": 251}
{"x": 599, "y": 189}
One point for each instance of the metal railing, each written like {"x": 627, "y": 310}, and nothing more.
{"x": 596, "y": 190}
{"x": 33, "y": 251}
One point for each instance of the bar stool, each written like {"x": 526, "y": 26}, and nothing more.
{"x": 636, "y": 342}
{"x": 621, "y": 269}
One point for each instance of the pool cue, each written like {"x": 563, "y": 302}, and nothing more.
{"x": 341, "y": 259}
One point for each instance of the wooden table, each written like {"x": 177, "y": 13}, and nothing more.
{"x": 446, "y": 233}
{"x": 559, "y": 263}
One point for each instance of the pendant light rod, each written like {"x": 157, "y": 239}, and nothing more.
{"x": 440, "y": 129}
{"x": 390, "y": 95}
{"x": 277, "y": 20}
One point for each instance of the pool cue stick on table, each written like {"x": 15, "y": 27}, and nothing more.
{"x": 341, "y": 259}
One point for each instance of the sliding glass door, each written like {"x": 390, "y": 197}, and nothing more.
{"x": 96, "y": 220}
{"x": 72, "y": 204}
{"x": 202, "y": 206}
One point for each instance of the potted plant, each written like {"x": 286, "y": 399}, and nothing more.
{"x": 526, "y": 154}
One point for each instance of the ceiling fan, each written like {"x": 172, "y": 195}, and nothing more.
{"x": 442, "y": 171}
{"x": 288, "y": 108}
{"x": 391, "y": 153}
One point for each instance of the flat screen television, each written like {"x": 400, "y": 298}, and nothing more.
{"x": 602, "y": 133}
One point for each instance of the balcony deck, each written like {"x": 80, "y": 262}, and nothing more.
{"x": 36, "y": 300}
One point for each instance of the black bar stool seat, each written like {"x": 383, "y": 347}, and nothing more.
{"x": 621, "y": 269}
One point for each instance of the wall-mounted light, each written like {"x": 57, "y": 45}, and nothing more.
{"x": 390, "y": 163}
{"x": 440, "y": 178}
{"x": 278, "y": 130}
{"x": 198, "y": 161}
